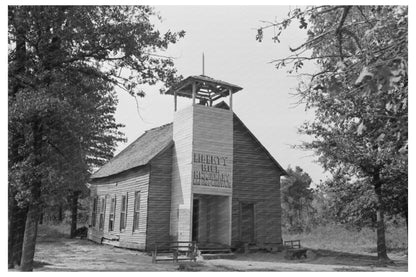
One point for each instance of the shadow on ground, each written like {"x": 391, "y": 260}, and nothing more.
{"x": 37, "y": 264}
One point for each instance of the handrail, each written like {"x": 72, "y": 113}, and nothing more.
{"x": 176, "y": 247}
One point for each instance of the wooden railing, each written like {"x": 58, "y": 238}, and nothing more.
{"x": 292, "y": 244}
{"x": 174, "y": 251}
{"x": 294, "y": 250}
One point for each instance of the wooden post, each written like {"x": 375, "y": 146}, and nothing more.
{"x": 154, "y": 254}
{"x": 175, "y": 97}
{"x": 231, "y": 99}
{"x": 175, "y": 255}
{"x": 193, "y": 93}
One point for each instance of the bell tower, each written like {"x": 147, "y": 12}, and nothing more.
{"x": 202, "y": 165}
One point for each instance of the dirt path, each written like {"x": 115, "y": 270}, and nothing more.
{"x": 82, "y": 255}
{"x": 318, "y": 260}
{"x": 55, "y": 252}
{"x": 236, "y": 265}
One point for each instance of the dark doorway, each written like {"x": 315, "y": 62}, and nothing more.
{"x": 195, "y": 220}
{"x": 247, "y": 222}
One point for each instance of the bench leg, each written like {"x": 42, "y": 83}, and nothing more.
{"x": 175, "y": 256}
{"x": 154, "y": 257}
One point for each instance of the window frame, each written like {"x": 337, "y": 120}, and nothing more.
{"x": 112, "y": 214}
{"x": 136, "y": 211}
{"x": 123, "y": 212}
{"x": 94, "y": 211}
{"x": 103, "y": 204}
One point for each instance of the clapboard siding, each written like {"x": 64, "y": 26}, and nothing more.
{"x": 256, "y": 180}
{"x": 213, "y": 131}
{"x": 123, "y": 184}
{"x": 159, "y": 203}
{"x": 180, "y": 212}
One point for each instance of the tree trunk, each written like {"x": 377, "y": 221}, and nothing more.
{"x": 60, "y": 213}
{"x": 17, "y": 216}
{"x": 381, "y": 235}
{"x": 74, "y": 212}
{"x": 17, "y": 219}
{"x": 41, "y": 218}
{"x": 407, "y": 220}
{"x": 29, "y": 241}
{"x": 31, "y": 227}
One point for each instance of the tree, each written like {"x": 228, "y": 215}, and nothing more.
{"x": 359, "y": 93}
{"x": 296, "y": 198}
{"x": 352, "y": 201}
{"x": 64, "y": 63}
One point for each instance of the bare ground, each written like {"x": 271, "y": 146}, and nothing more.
{"x": 55, "y": 252}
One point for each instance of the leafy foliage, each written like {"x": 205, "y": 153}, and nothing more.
{"x": 352, "y": 201}
{"x": 63, "y": 78}
{"x": 296, "y": 198}
{"x": 359, "y": 95}
{"x": 64, "y": 62}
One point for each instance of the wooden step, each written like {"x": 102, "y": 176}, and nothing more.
{"x": 218, "y": 256}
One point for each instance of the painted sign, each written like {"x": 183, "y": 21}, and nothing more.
{"x": 211, "y": 170}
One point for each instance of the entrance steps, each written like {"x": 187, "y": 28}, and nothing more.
{"x": 210, "y": 251}
{"x": 113, "y": 240}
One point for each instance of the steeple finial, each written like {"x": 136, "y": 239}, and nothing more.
{"x": 203, "y": 64}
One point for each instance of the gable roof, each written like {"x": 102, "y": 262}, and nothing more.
{"x": 224, "y": 105}
{"x": 138, "y": 153}
{"x": 151, "y": 143}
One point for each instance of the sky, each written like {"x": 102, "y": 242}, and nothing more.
{"x": 226, "y": 36}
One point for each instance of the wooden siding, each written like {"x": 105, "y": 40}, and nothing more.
{"x": 159, "y": 202}
{"x": 165, "y": 212}
{"x": 256, "y": 180}
{"x": 123, "y": 184}
{"x": 213, "y": 136}
{"x": 213, "y": 130}
{"x": 180, "y": 214}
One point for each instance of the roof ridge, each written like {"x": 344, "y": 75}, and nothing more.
{"x": 159, "y": 127}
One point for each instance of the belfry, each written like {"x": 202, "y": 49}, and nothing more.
{"x": 202, "y": 174}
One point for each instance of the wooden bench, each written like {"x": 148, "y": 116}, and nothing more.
{"x": 294, "y": 250}
{"x": 175, "y": 251}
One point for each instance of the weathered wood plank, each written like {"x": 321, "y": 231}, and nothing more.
{"x": 117, "y": 186}
{"x": 257, "y": 181}
{"x": 159, "y": 201}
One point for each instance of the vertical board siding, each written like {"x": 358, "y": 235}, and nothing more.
{"x": 159, "y": 202}
{"x": 123, "y": 184}
{"x": 256, "y": 180}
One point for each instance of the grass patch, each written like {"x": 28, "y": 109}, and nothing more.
{"x": 339, "y": 238}
{"x": 54, "y": 230}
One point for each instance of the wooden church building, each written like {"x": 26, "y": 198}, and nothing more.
{"x": 205, "y": 178}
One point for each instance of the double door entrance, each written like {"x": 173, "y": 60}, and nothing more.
{"x": 211, "y": 220}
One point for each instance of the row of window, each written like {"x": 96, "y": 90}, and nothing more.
{"x": 99, "y": 207}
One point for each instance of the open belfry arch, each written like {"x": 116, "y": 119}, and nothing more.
{"x": 204, "y": 178}
{"x": 205, "y": 89}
